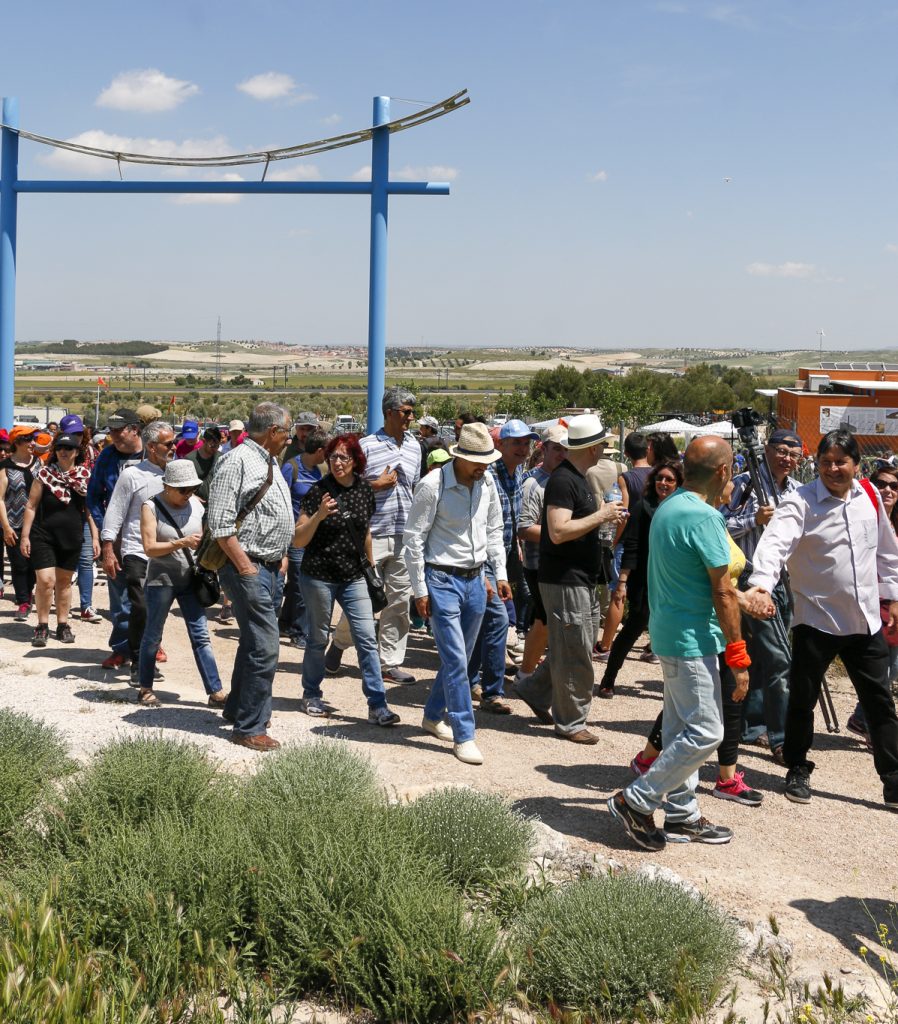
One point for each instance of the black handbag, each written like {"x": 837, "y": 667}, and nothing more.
{"x": 203, "y": 581}
{"x": 377, "y": 591}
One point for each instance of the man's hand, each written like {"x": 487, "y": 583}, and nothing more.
{"x": 389, "y": 478}
{"x": 110, "y": 563}
{"x": 504, "y": 589}
{"x": 611, "y": 512}
{"x": 759, "y": 604}
{"x": 285, "y": 561}
{"x": 741, "y": 677}
{"x": 422, "y": 605}
{"x": 764, "y": 515}
{"x": 892, "y": 625}
{"x": 620, "y": 594}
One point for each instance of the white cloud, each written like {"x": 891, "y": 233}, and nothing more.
{"x": 190, "y": 199}
{"x": 729, "y": 14}
{"x": 274, "y": 85}
{"x": 787, "y": 269}
{"x": 434, "y": 172}
{"x": 149, "y": 91}
{"x": 362, "y": 174}
{"x": 890, "y": 247}
{"x": 97, "y": 139}
{"x": 600, "y": 177}
{"x": 331, "y": 119}
{"x": 301, "y": 172}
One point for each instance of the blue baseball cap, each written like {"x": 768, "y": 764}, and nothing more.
{"x": 190, "y": 430}
{"x": 516, "y": 429}
{"x": 71, "y": 424}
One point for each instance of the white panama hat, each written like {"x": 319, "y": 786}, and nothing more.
{"x": 475, "y": 445}
{"x": 585, "y": 431}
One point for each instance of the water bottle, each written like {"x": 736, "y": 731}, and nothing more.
{"x": 609, "y": 529}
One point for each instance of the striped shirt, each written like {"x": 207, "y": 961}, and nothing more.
{"x": 267, "y": 531}
{"x": 511, "y": 493}
{"x": 741, "y": 511}
{"x": 393, "y": 503}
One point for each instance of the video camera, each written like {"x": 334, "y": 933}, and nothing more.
{"x": 746, "y": 419}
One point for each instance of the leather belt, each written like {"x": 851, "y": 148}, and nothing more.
{"x": 270, "y": 566}
{"x": 454, "y": 570}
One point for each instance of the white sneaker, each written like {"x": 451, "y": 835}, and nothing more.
{"x": 468, "y": 752}
{"x": 438, "y": 729}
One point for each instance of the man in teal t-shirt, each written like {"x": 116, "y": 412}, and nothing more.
{"x": 694, "y": 608}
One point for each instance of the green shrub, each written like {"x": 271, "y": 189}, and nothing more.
{"x": 33, "y": 757}
{"x": 128, "y": 783}
{"x": 344, "y": 903}
{"x": 606, "y": 945}
{"x": 476, "y": 837}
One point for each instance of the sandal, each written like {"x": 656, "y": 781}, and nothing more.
{"x": 148, "y": 699}
{"x": 495, "y": 707}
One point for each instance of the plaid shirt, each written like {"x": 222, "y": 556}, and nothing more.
{"x": 267, "y": 531}
{"x": 511, "y": 494}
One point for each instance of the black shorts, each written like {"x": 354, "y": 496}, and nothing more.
{"x": 537, "y": 611}
{"x": 47, "y": 555}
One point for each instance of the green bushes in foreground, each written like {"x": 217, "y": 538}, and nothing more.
{"x": 152, "y": 884}
{"x": 603, "y": 945}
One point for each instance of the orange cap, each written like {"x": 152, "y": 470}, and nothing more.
{"x": 20, "y": 431}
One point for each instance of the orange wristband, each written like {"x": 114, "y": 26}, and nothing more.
{"x": 736, "y": 656}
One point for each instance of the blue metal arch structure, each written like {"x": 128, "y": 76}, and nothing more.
{"x": 380, "y": 189}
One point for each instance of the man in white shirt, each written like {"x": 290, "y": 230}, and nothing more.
{"x": 134, "y": 486}
{"x": 454, "y": 527}
{"x": 842, "y": 556}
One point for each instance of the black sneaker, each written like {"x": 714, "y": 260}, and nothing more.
{"x": 41, "y": 635}
{"x": 332, "y": 660}
{"x": 701, "y": 831}
{"x": 158, "y": 677}
{"x": 639, "y": 827}
{"x": 798, "y": 784}
{"x": 890, "y": 792}
{"x": 64, "y": 633}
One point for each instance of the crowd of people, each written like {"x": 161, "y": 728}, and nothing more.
{"x": 533, "y": 561}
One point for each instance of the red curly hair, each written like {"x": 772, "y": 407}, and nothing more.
{"x": 350, "y": 443}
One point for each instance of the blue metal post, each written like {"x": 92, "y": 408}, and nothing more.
{"x": 9, "y": 173}
{"x": 377, "y": 280}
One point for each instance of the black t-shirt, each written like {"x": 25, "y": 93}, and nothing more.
{"x": 576, "y": 562}
{"x": 636, "y": 478}
{"x": 60, "y": 524}
{"x": 331, "y": 554}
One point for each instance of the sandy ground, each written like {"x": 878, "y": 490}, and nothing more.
{"x": 810, "y": 866}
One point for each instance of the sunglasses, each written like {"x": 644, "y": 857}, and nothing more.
{"x": 186, "y": 490}
{"x": 886, "y": 485}
{"x": 167, "y": 444}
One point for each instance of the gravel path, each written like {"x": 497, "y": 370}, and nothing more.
{"x": 810, "y": 866}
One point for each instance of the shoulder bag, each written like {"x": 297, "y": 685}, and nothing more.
{"x": 203, "y": 581}
{"x": 373, "y": 579}
{"x": 210, "y": 554}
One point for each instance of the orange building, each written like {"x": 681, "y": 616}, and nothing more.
{"x": 862, "y": 396}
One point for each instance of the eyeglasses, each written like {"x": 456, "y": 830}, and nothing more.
{"x": 167, "y": 444}
{"x": 665, "y": 480}
{"x": 787, "y": 453}
{"x": 407, "y": 413}
{"x": 886, "y": 485}
{"x": 339, "y": 458}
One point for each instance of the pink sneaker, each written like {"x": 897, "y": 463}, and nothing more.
{"x": 736, "y": 789}
{"x": 640, "y": 765}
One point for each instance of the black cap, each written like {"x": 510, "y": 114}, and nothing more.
{"x": 787, "y": 437}
{"x": 67, "y": 441}
{"x": 124, "y": 418}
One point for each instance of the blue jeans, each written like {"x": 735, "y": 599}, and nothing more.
{"x": 159, "y": 599}
{"x": 486, "y": 666}
{"x": 352, "y": 597}
{"x": 293, "y": 619}
{"x": 691, "y": 732}
{"x": 254, "y": 600}
{"x": 457, "y": 609}
{"x": 86, "y": 571}
{"x": 764, "y": 708}
{"x": 120, "y": 610}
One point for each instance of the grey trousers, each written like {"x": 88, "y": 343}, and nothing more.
{"x": 563, "y": 683}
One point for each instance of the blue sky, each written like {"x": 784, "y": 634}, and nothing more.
{"x": 589, "y": 203}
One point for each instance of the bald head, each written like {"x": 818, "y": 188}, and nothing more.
{"x": 703, "y": 459}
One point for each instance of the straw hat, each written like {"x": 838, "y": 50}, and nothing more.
{"x": 475, "y": 445}
{"x": 585, "y": 431}
{"x": 181, "y": 473}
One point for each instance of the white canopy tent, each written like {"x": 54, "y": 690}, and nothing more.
{"x": 673, "y": 426}
{"x": 722, "y": 429}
